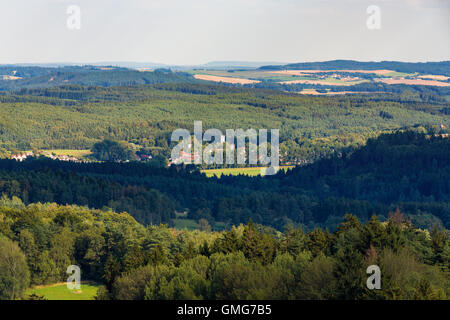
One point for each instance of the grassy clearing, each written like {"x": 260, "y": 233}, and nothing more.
{"x": 236, "y": 171}
{"x": 72, "y": 153}
{"x": 399, "y": 74}
{"x": 237, "y": 74}
{"x": 59, "y": 291}
{"x": 343, "y": 81}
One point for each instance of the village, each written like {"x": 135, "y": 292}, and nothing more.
{"x": 21, "y": 156}
{"x": 29, "y": 154}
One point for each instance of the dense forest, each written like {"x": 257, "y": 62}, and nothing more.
{"x": 407, "y": 170}
{"x": 250, "y": 261}
{"x": 38, "y": 77}
{"x": 144, "y": 116}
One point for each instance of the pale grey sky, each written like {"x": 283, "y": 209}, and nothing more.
{"x": 198, "y": 31}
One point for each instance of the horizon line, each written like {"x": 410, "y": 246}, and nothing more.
{"x": 268, "y": 63}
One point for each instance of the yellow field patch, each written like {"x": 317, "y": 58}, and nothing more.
{"x": 224, "y": 79}
{"x": 67, "y": 152}
{"x": 306, "y": 72}
{"x": 253, "y": 171}
{"x": 414, "y": 82}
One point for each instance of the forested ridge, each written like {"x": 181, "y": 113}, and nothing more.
{"x": 76, "y": 117}
{"x": 39, "y": 77}
{"x": 408, "y": 170}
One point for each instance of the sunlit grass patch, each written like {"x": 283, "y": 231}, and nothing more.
{"x": 59, "y": 291}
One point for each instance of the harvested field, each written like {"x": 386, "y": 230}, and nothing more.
{"x": 325, "y": 83}
{"x": 434, "y": 77}
{"x": 305, "y": 72}
{"x": 414, "y": 82}
{"x": 11, "y": 77}
{"x": 330, "y": 93}
{"x": 224, "y": 79}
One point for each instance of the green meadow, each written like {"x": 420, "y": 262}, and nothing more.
{"x": 253, "y": 171}
{"x": 69, "y": 152}
{"x": 59, "y": 291}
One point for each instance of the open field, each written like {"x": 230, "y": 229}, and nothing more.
{"x": 325, "y": 82}
{"x": 256, "y": 171}
{"x": 414, "y": 82}
{"x": 434, "y": 77}
{"x": 316, "y": 77}
{"x": 224, "y": 79}
{"x": 256, "y": 75}
{"x": 7, "y": 77}
{"x": 381, "y": 73}
{"x": 247, "y": 74}
{"x": 59, "y": 291}
{"x": 303, "y": 72}
{"x": 396, "y": 74}
{"x": 284, "y": 77}
{"x": 314, "y": 92}
{"x": 66, "y": 152}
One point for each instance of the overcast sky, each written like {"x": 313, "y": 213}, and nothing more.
{"x": 198, "y": 31}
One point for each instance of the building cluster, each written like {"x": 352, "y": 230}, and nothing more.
{"x": 185, "y": 157}
{"x": 143, "y": 157}
{"x": 64, "y": 158}
{"x": 24, "y": 155}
